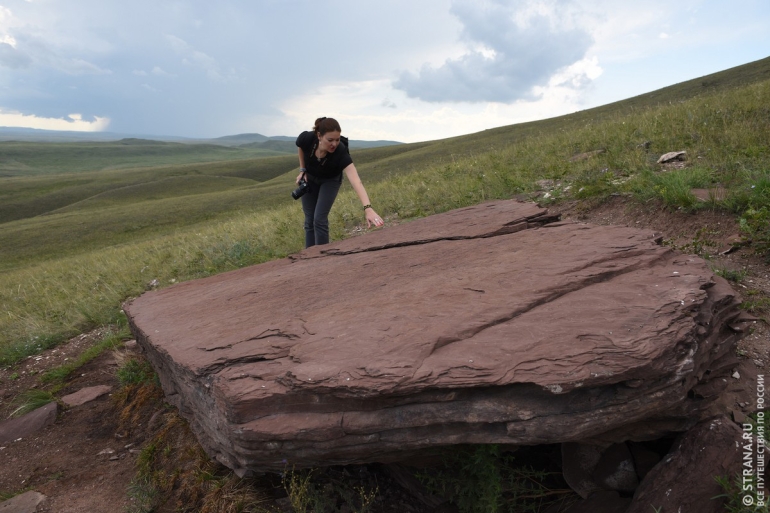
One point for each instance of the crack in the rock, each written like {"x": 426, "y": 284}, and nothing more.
{"x": 215, "y": 367}
{"x": 518, "y": 225}
{"x": 627, "y": 253}
{"x": 273, "y": 332}
{"x": 268, "y": 333}
{"x": 561, "y": 292}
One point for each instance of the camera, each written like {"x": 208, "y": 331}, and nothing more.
{"x": 299, "y": 191}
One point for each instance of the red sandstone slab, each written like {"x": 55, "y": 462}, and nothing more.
{"x": 480, "y": 325}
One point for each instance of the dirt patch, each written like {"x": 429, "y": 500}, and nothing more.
{"x": 63, "y": 461}
{"x": 26, "y": 374}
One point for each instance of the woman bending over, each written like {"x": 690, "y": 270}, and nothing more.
{"x": 323, "y": 157}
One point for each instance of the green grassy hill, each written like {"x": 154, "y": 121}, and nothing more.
{"x": 30, "y": 158}
{"x": 85, "y": 225}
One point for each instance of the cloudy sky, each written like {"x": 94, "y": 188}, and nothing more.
{"x": 403, "y": 70}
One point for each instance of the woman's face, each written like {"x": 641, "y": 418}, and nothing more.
{"x": 329, "y": 141}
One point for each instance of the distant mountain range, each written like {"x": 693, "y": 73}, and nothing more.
{"x": 279, "y": 143}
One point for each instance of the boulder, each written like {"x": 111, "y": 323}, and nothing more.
{"x": 489, "y": 324}
{"x": 588, "y": 468}
{"x": 616, "y": 471}
{"x": 578, "y": 462}
{"x": 685, "y": 479}
{"x": 27, "y": 502}
{"x": 28, "y": 424}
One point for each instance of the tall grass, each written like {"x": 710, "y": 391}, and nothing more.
{"x": 45, "y": 303}
{"x": 725, "y": 136}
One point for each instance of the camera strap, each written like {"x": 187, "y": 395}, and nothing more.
{"x": 312, "y": 155}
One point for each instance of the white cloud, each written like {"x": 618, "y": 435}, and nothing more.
{"x": 73, "y": 122}
{"x": 361, "y": 117}
{"x": 5, "y": 15}
{"x": 576, "y": 76}
{"x": 80, "y": 67}
{"x": 157, "y": 70}
{"x": 196, "y": 58}
{"x": 513, "y": 47}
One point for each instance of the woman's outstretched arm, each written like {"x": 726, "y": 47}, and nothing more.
{"x": 372, "y": 218}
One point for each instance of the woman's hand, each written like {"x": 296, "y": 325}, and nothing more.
{"x": 372, "y": 218}
{"x": 299, "y": 177}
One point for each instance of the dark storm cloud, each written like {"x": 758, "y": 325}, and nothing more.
{"x": 508, "y": 56}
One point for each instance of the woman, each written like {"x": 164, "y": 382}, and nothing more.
{"x": 322, "y": 160}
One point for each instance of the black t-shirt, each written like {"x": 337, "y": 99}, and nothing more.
{"x": 329, "y": 166}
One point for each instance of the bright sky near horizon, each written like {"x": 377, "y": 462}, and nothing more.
{"x": 400, "y": 70}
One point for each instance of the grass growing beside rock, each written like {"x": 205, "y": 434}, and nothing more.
{"x": 32, "y": 400}
{"x": 485, "y": 479}
{"x": 724, "y": 135}
{"x": 739, "y": 498}
{"x": 172, "y": 468}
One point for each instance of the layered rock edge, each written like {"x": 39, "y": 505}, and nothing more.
{"x": 490, "y": 324}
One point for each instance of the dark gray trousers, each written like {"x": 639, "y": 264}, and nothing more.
{"x": 316, "y": 204}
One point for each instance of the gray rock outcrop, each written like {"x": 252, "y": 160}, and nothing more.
{"x": 27, "y": 502}
{"x": 28, "y": 424}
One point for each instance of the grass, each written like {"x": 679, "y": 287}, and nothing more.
{"x": 136, "y": 372}
{"x": 112, "y": 340}
{"x": 31, "y": 400}
{"x": 485, "y": 479}
{"x": 741, "y": 496}
{"x": 54, "y": 379}
{"x": 326, "y": 490}
{"x": 172, "y": 468}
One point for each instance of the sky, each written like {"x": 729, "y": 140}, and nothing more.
{"x": 402, "y": 70}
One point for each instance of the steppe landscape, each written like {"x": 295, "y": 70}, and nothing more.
{"x": 86, "y": 228}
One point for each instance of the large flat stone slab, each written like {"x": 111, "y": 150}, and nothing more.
{"x": 490, "y": 324}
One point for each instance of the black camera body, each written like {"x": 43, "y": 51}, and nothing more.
{"x": 301, "y": 190}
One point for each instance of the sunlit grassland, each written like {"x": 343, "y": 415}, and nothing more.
{"x": 28, "y": 196}
{"x": 27, "y": 158}
{"x": 45, "y": 299}
{"x": 71, "y": 233}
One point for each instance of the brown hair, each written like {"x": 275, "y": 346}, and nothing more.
{"x": 323, "y": 125}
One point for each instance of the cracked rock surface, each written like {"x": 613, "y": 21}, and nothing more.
{"x": 491, "y": 324}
